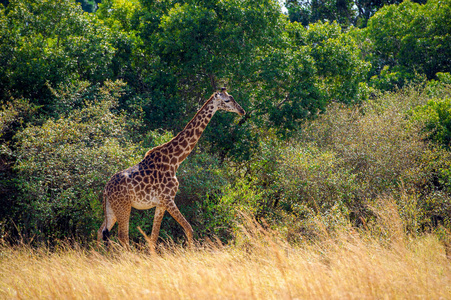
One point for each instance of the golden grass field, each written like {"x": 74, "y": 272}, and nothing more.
{"x": 260, "y": 265}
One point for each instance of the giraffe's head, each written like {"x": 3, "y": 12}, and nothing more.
{"x": 226, "y": 102}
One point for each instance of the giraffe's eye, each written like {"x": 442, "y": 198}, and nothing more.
{"x": 227, "y": 100}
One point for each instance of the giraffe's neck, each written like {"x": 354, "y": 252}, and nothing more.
{"x": 182, "y": 144}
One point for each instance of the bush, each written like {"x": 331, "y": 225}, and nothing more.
{"x": 348, "y": 158}
{"x": 63, "y": 165}
{"x": 219, "y": 216}
{"x": 12, "y": 117}
{"x": 376, "y": 143}
{"x": 382, "y": 146}
{"x": 435, "y": 115}
{"x": 202, "y": 179}
{"x": 203, "y": 183}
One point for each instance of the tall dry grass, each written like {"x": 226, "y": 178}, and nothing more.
{"x": 259, "y": 265}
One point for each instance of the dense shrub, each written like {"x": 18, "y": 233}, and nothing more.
{"x": 436, "y": 115}
{"x": 202, "y": 179}
{"x": 63, "y": 165}
{"x": 375, "y": 142}
{"x": 330, "y": 175}
{"x": 347, "y": 159}
{"x": 13, "y": 115}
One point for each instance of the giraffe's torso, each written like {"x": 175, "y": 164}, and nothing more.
{"x": 146, "y": 184}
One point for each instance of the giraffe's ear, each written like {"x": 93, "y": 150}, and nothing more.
{"x": 223, "y": 91}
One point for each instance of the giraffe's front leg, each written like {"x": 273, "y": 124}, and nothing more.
{"x": 159, "y": 213}
{"x": 177, "y": 215}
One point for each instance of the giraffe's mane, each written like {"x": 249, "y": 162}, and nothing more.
{"x": 162, "y": 145}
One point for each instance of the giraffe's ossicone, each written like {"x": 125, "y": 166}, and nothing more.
{"x": 153, "y": 182}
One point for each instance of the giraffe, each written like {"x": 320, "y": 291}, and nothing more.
{"x": 153, "y": 182}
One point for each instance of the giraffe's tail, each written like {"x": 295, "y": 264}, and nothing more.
{"x": 104, "y": 229}
{"x": 106, "y": 236}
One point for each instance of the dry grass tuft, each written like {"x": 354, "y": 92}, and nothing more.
{"x": 260, "y": 265}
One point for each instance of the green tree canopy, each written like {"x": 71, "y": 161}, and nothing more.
{"x": 46, "y": 41}
{"x": 410, "y": 38}
{"x": 345, "y": 12}
{"x": 189, "y": 49}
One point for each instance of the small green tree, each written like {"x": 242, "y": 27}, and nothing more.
{"x": 341, "y": 71}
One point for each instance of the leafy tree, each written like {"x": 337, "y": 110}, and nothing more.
{"x": 306, "y": 12}
{"x": 195, "y": 48}
{"x": 129, "y": 63}
{"x": 410, "y": 38}
{"x": 345, "y": 12}
{"x": 340, "y": 69}
{"x": 89, "y": 5}
{"x": 118, "y": 14}
{"x": 48, "y": 41}
{"x": 177, "y": 52}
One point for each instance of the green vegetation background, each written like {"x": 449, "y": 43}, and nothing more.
{"x": 348, "y": 104}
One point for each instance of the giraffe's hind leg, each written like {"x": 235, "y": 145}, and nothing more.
{"x": 123, "y": 219}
